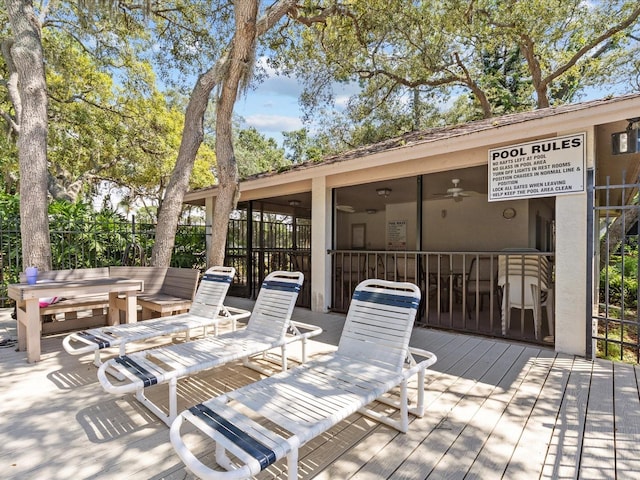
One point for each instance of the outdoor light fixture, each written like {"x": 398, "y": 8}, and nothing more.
{"x": 294, "y": 203}
{"x": 627, "y": 141}
{"x": 371, "y": 211}
{"x": 383, "y": 192}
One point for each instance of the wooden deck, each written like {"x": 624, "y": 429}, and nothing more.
{"x": 495, "y": 410}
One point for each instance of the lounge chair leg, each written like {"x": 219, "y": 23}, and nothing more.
{"x": 292, "y": 464}
{"x": 173, "y": 399}
{"x": 222, "y": 458}
{"x": 418, "y": 411}
{"x": 404, "y": 407}
{"x": 284, "y": 357}
{"x": 96, "y": 358}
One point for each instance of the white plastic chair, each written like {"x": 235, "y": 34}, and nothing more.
{"x": 373, "y": 357}
{"x": 207, "y": 311}
{"x": 526, "y": 285}
{"x": 266, "y": 330}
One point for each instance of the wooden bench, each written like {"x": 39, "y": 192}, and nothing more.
{"x": 167, "y": 291}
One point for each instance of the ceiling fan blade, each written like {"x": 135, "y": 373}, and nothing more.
{"x": 345, "y": 208}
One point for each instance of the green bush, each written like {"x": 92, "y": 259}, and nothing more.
{"x": 84, "y": 238}
{"x": 622, "y": 276}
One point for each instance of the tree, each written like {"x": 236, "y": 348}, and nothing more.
{"x": 257, "y": 154}
{"x": 28, "y": 90}
{"x": 485, "y": 56}
{"x": 565, "y": 45}
{"x": 303, "y": 147}
{"x": 230, "y": 71}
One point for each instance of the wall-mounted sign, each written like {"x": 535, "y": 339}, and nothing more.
{"x": 544, "y": 168}
{"x": 397, "y": 235}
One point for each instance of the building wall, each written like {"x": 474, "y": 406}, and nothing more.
{"x": 448, "y": 225}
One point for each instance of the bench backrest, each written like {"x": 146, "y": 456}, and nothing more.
{"x": 153, "y": 277}
{"x": 178, "y": 282}
{"x": 181, "y": 282}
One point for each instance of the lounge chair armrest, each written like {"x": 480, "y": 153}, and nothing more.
{"x": 237, "y": 313}
{"x": 129, "y": 387}
{"x": 429, "y": 359}
{"x": 80, "y": 347}
{"x": 313, "y": 330}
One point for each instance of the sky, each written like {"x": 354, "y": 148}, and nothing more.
{"x": 272, "y": 106}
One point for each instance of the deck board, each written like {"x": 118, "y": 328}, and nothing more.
{"x": 627, "y": 420}
{"x": 598, "y": 459}
{"x": 495, "y": 409}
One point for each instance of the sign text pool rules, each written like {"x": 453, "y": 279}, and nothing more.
{"x": 549, "y": 167}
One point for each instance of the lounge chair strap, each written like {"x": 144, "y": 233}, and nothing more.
{"x": 284, "y": 286}
{"x": 386, "y": 299}
{"x": 264, "y": 455}
{"x": 143, "y": 374}
{"x": 102, "y": 342}
{"x": 217, "y": 278}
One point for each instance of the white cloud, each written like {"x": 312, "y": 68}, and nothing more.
{"x": 342, "y": 101}
{"x": 277, "y": 84}
{"x": 273, "y": 123}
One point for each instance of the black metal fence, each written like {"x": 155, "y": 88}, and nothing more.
{"x": 616, "y": 321}
{"x": 99, "y": 244}
{"x": 278, "y": 242}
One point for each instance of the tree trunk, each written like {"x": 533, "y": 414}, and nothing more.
{"x": 192, "y": 136}
{"x": 239, "y": 69}
{"x": 191, "y": 140}
{"x": 27, "y": 56}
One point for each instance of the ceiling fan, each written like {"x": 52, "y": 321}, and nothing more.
{"x": 345, "y": 208}
{"x": 456, "y": 192}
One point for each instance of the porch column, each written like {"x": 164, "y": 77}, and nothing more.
{"x": 320, "y": 243}
{"x": 571, "y": 269}
{"x": 571, "y": 265}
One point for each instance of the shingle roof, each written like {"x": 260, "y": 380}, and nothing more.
{"x": 445, "y": 132}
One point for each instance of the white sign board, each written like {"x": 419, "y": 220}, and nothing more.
{"x": 544, "y": 168}
{"x": 397, "y": 235}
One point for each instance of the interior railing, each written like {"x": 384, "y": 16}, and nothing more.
{"x": 505, "y": 293}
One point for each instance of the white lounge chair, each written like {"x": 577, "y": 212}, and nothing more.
{"x": 267, "y": 328}
{"x": 207, "y": 310}
{"x": 373, "y": 357}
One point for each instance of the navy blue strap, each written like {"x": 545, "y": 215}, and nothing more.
{"x": 143, "y": 374}
{"x": 217, "y": 278}
{"x": 284, "y": 286}
{"x": 253, "y": 447}
{"x": 386, "y": 299}
{"x": 102, "y": 342}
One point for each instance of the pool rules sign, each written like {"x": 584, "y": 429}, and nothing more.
{"x": 544, "y": 168}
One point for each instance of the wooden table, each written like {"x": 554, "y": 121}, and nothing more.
{"x": 121, "y": 291}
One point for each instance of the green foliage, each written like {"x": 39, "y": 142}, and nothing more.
{"x": 621, "y": 275}
{"x": 108, "y": 122}
{"x": 84, "y": 238}
{"x": 420, "y": 64}
{"x": 256, "y": 153}
{"x": 302, "y": 147}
